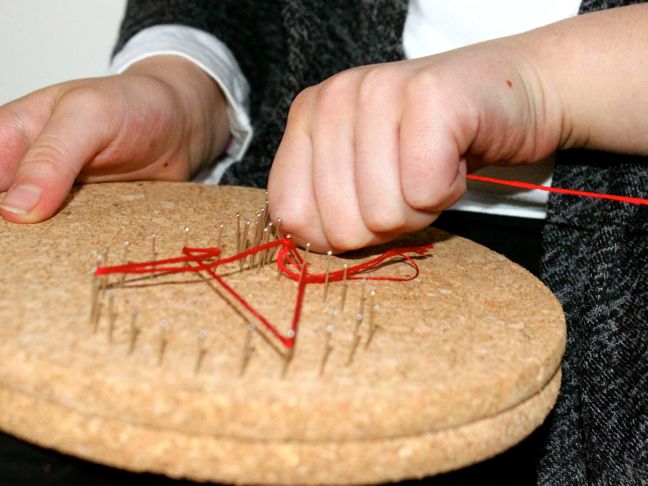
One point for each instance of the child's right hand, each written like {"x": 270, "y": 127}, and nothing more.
{"x": 160, "y": 119}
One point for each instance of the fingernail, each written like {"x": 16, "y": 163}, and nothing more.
{"x": 21, "y": 199}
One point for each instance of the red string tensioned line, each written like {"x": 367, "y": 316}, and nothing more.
{"x": 204, "y": 259}
{"x": 558, "y": 190}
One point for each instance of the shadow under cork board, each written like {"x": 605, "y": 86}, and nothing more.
{"x": 458, "y": 368}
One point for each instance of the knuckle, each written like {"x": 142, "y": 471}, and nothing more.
{"x": 380, "y": 219}
{"x": 89, "y": 100}
{"x": 346, "y": 238}
{"x": 300, "y": 103}
{"x": 384, "y": 222}
{"x": 422, "y": 84}
{"x": 333, "y": 92}
{"x": 371, "y": 93}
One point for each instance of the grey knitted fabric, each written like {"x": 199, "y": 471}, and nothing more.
{"x": 596, "y": 252}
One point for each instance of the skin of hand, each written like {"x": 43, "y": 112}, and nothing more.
{"x": 160, "y": 119}
{"x": 379, "y": 150}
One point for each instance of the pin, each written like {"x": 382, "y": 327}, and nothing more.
{"x": 363, "y": 290}
{"x": 153, "y": 247}
{"x": 278, "y": 229}
{"x": 264, "y": 240}
{"x": 134, "y": 331}
{"x": 289, "y": 356}
{"x": 238, "y": 232}
{"x": 307, "y": 253}
{"x": 125, "y": 260}
{"x": 358, "y": 322}
{"x": 329, "y": 254}
{"x": 112, "y": 316}
{"x": 202, "y": 350}
{"x": 164, "y": 326}
{"x": 327, "y": 348}
{"x": 104, "y": 279}
{"x": 278, "y": 267}
{"x": 373, "y": 327}
{"x": 269, "y": 252}
{"x": 247, "y": 347}
{"x": 265, "y": 212}
{"x": 219, "y": 240}
{"x": 94, "y": 299}
{"x": 354, "y": 347}
{"x": 245, "y": 243}
{"x": 186, "y": 231}
{"x": 345, "y": 284}
{"x": 258, "y": 229}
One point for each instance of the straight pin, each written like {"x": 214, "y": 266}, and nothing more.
{"x": 112, "y": 316}
{"x": 363, "y": 291}
{"x": 268, "y": 252}
{"x": 278, "y": 229}
{"x": 354, "y": 347}
{"x": 278, "y": 267}
{"x": 286, "y": 362}
{"x": 125, "y": 260}
{"x": 219, "y": 239}
{"x": 266, "y": 213}
{"x": 373, "y": 327}
{"x": 264, "y": 240}
{"x": 134, "y": 331}
{"x": 186, "y": 231}
{"x": 94, "y": 298}
{"x": 345, "y": 284}
{"x": 307, "y": 253}
{"x": 238, "y": 232}
{"x": 246, "y": 231}
{"x": 259, "y": 227}
{"x": 329, "y": 254}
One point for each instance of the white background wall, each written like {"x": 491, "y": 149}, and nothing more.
{"x": 48, "y": 41}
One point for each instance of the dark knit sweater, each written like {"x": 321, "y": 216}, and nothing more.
{"x": 596, "y": 252}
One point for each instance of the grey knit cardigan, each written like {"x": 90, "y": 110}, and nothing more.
{"x": 595, "y": 252}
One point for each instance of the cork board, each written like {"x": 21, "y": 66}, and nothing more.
{"x": 464, "y": 361}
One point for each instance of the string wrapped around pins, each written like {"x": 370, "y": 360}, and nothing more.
{"x": 257, "y": 244}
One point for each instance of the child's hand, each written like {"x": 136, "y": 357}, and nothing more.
{"x": 151, "y": 122}
{"x": 379, "y": 150}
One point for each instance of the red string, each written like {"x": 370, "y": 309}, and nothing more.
{"x": 558, "y": 190}
{"x": 203, "y": 259}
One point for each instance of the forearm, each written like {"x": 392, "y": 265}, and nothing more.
{"x": 595, "y": 67}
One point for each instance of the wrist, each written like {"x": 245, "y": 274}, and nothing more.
{"x": 201, "y": 101}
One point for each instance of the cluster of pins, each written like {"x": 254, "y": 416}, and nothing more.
{"x": 257, "y": 232}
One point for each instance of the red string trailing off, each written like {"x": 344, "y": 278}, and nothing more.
{"x": 290, "y": 263}
{"x": 558, "y": 190}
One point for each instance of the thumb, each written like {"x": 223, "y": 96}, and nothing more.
{"x": 72, "y": 137}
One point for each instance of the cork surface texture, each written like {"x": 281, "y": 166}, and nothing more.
{"x": 464, "y": 361}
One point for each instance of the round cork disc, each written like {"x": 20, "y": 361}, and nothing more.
{"x": 438, "y": 372}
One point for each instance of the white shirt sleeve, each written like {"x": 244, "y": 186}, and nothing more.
{"x": 213, "y": 57}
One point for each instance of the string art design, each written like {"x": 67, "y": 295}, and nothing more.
{"x": 289, "y": 263}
